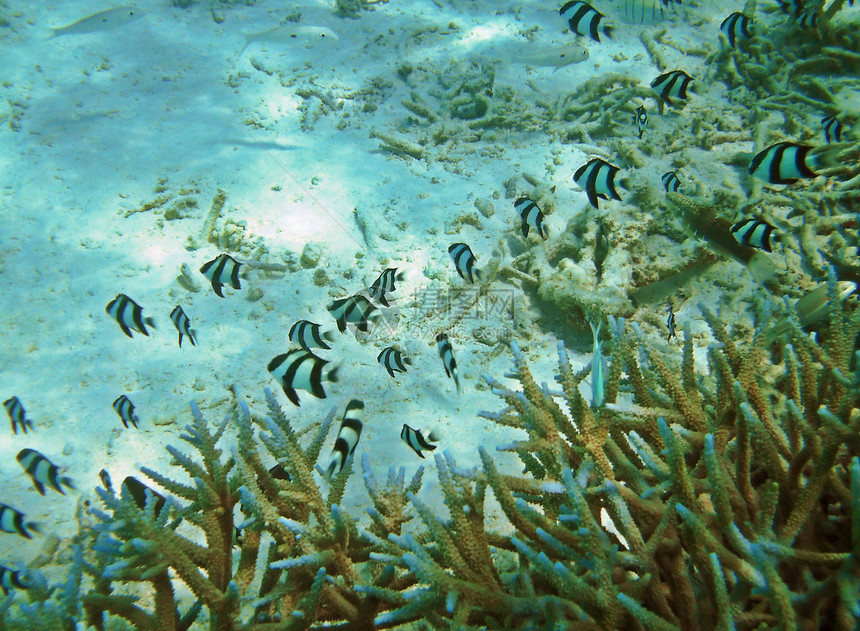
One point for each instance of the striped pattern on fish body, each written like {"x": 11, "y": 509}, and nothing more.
{"x": 183, "y": 325}
{"x": 393, "y": 360}
{"x": 385, "y": 284}
{"x": 735, "y": 27}
{"x": 584, "y": 19}
{"x": 42, "y": 471}
{"x": 641, "y": 120}
{"x": 355, "y": 309}
{"x": 347, "y": 438}
{"x": 221, "y": 270}
{"x": 125, "y": 409}
{"x": 644, "y": 11}
{"x": 671, "y": 181}
{"x": 531, "y": 216}
{"x": 309, "y": 335}
{"x": 832, "y": 129}
{"x": 301, "y": 369}
{"x": 464, "y": 261}
{"x": 101, "y": 21}
{"x": 670, "y": 324}
{"x": 129, "y": 315}
{"x": 782, "y": 163}
{"x": 12, "y": 521}
{"x": 443, "y": 345}
{"x": 17, "y": 415}
{"x": 416, "y": 440}
{"x": 597, "y": 179}
{"x": 672, "y": 85}
{"x": 139, "y": 492}
{"x": 10, "y": 579}
{"x": 755, "y": 233}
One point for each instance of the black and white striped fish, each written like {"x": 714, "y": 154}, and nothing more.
{"x": 464, "y": 261}
{"x": 12, "y": 579}
{"x": 385, "y": 284}
{"x": 355, "y": 309}
{"x": 671, "y": 181}
{"x": 309, "y": 335}
{"x": 17, "y": 415}
{"x": 736, "y": 27}
{"x": 447, "y": 355}
{"x": 801, "y": 13}
{"x": 782, "y": 163}
{"x": 129, "y": 315}
{"x": 531, "y": 216}
{"x": 832, "y": 129}
{"x": 393, "y": 360}
{"x": 641, "y": 120}
{"x": 416, "y": 439}
{"x": 672, "y": 85}
{"x": 140, "y": 492}
{"x": 584, "y": 19}
{"x": 183, "y": 325}
{"x": 347, "y": 438}
{"x": 301, "y": 369}
{"x": 221, "y": 270}
{"x": 42, "y": 471}
{"x": 670, "y": 324}
{"x": 755, "y": 233}
{"x": 125, "y": 409}
{"x": 597, "y": 178}
{"x": 12, "y": 521}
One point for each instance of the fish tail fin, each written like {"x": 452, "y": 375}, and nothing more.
{"x": 67, "y": 481}
{"x": 433, "y": 436}
{"x": 248, "y": 41}
{"x": 334, "y": 374}
{"x": 328, "y": 336}
{"x": 607, "y": 30}
{"x": 150, "y": 322}
{"x": 407, "y": 361}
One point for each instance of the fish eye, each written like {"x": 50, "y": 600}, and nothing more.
{"x": 322, "y": 34}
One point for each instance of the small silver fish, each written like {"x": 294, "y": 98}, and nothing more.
{"x": 555, "y": 56}
{"x": 101, "y": 21}
{"x": 290, "y": 34}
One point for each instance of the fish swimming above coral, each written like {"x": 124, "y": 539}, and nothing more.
{"x": 464, "y": 262}
{"x": 832, "y": 129}
{"x": 672, "y": 85}
{"x": 530, "y": 216}
{"x": 755, "y": 233}
{"x": 356, "y": 310}
{"x": 643, "y": 11}
{"x": 17, "y": 415}
{"x": 291, "y": 35}
{"x": 100, "y": 21}
{"x": 125, "y": 409}
{"x": 309, "y": 335}
{"x": 221, "y": 270}
{"x": 183, "y": 325}
{"x": 42, "y": 471}
{"x": 597, "y": 178}
{"x": 417, "y": 441}
{"x": 393, "y": 360}
{"x": 347, "y": 438}
{"x": 737, "y": 27}
{"x": 10, "y": 580}
{"x": 443, "y": 345}
{"x": 12, "y": 521}
{"x": 584, "y": 19}
{"x": 129, "y": 315}
{"x": 385, "y": 284}
{"x": 671, "y": 181}
{"x": 301, "y": 369}
{"x": 641, "y": 120}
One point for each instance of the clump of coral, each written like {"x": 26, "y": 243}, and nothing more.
{"x": 719, "y": 501}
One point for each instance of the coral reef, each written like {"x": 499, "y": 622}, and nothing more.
{"x": 718, "y": 501}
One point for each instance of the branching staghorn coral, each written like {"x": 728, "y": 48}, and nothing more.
{"x": 722, "y": 501}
